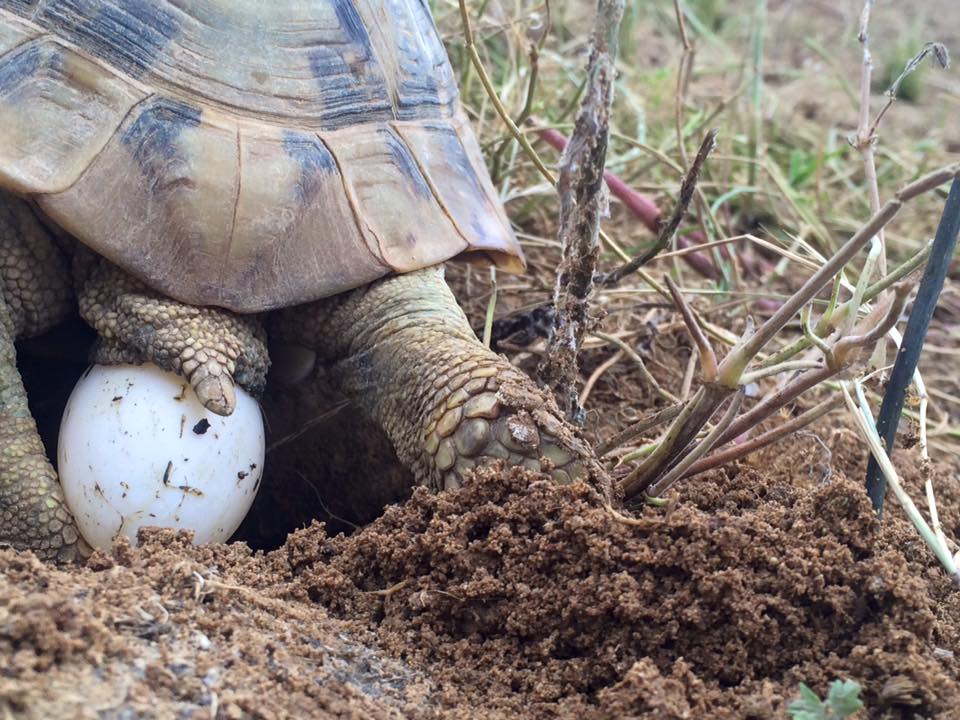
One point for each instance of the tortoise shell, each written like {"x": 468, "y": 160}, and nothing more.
{"x": 244, "y": 153}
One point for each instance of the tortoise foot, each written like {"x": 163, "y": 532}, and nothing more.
{"x": 33, "y": 513}
{"x": 210, "y": 347}
{"x": 493, "y": 412}
{"x": 35, "y": 294}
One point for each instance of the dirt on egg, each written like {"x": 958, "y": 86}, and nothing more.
{"x": 510, "y": 597}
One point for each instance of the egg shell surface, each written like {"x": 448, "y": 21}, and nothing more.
{"x": 138, "y": 449}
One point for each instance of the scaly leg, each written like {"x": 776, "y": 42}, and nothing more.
{"x": 403, "y": 351}
{"x": 210, "y": 347}
{"x": 35, "y": 294}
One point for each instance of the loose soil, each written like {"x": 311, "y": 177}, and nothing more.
{"x": 510, "y": 597}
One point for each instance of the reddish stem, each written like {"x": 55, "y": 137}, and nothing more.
{"x": 645, "y": 210}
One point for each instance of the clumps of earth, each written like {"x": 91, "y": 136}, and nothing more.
{"x": 510, "y": 597}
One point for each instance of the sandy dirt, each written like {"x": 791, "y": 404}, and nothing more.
{"x": 508, "y": 598}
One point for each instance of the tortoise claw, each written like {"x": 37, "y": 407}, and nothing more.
{"x": 487, "y": 423}
{"x": 215, "y": 389}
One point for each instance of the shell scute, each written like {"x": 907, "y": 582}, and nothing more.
{"x": 152, "y": 135}
{"x": 19, "y": 68}
{"x": 394, "y": 201}
{"x": 426, "y": 78}
{"x": 170, "y": 186}
{"x": 242, "y": 153}
{"x": 297, "y": 236}
{"x": 57, "y": 110}
{"x": 14, "y": 31}
{"x": 315, "y": 164}
{"x": 349, "y": 79}
{"x": 465, "y": 194}
{"x": 129, "y": 35}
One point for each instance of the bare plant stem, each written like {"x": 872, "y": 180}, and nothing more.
{"x": 688, "y": 377}
{"x": 701, "y": 449}
{"x": 722, "y": 457}
{"x": 845, "y": 354}
{"x": 734, "y": 364}
{"x": 865, "y": 139}
{"x": 941, "y": 57}
{"x": 683, "y": 73}
{"x": 773, "y": 402}
{"x": 583, "y": 201}
{"x": 682, "y": 432}
{"x": 639, "y": 427}
{"x": 647, "y": 376}
{"x": 667, "y": 230}
{"x": 708, "y": 358}
{"x": 790, "y": 366}
{"x": 829, "y": 322}
{"x": 698, "y": 411}
{"x": 597, "y": 374}
{"x": 730, "y": 428}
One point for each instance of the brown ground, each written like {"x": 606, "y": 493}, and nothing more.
{"x": 508, "y": 598}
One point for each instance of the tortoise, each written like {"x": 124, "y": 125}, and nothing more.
{"x": 198, "y": 175}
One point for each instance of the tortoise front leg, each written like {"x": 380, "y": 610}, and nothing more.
{"x": 403, "y": 351}
{"x": 35, "y": 294}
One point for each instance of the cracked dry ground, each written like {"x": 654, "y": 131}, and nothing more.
{"x": 509, "y": 598}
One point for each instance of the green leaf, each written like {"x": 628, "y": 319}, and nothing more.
{"x": 808, "y": 706}
{"x": 802, "y": 166}
{"x": 844, "y": 698}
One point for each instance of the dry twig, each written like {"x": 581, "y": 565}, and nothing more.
{"x": 583, "y": 201}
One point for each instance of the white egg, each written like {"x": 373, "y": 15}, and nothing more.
{"x": 138, "y": 449}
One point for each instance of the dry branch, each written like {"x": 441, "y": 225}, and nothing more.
{"x": 666, "y": 231}
{"x": 583, "y": 201}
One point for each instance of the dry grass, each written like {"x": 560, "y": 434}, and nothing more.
{"x": 781, "y": 192}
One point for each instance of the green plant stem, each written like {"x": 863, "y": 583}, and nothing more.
{"x": 789, "y": 366}
{"x": 641, "y": 426}
{"x": 491, "y": 308}
{"x": 868, "y": 430}
{"x": 756, "y": 94}
{"x": 828, "y": 322}
{"x": 684, "y": 429}
{"x": 701, "y": 449}
{"x": 733, "y": 365}
{"x": 740, "y": 450}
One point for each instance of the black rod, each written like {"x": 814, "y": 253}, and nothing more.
{"x": 914, "y": 335}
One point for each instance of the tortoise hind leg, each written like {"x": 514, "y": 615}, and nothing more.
{"x": 403, "y": 351}
{"x": 34, "y": 295}
{"x": 210, "y": 347}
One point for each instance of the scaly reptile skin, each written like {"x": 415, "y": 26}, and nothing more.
{"x": 34, "y": 295}
{"x": 402, "y": 350}
{"x": 212, "y": 348}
